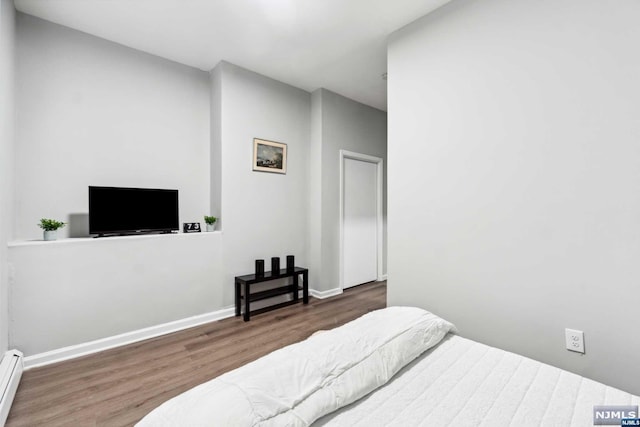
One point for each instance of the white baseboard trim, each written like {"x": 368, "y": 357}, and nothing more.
{"x": 325, "y": 294}
{"x": 382, "y": 278}
{"x": 78, "y": 350}
{"x": 11, "y": 369}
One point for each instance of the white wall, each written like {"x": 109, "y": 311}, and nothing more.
{"x": 92, "y": 112}
{"x": 513, "y": 177}
{"x": 263, "y": 214}
{"x": 7, "y": 63}
{"x": 78, "y": 290}
{"x": 344, "y": 125}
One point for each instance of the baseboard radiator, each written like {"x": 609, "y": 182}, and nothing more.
{"x": 10, "y": 373}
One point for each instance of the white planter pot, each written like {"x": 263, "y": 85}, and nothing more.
{"x": 50, "y": 235}
{"x": 211, "y": 227}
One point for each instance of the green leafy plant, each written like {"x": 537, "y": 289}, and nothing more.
{"x": 210, "y": 219}
{"x": 50, "y": 224}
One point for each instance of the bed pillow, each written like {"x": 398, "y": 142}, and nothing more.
{"x": 296, "y": 385}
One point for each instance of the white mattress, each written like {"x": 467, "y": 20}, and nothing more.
{"x": 464, "y": 383}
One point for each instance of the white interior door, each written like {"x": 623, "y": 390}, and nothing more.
{"x": 360, "y": 262}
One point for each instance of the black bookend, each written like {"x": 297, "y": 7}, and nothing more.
{"x": 259, "y": 267}
{"x": 275, "y": 266}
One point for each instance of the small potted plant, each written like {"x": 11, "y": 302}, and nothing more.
{"x": 50, "y": 227}
{"x": 210, "y": 221}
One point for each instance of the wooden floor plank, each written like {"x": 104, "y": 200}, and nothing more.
{"x": 118, "y": 387}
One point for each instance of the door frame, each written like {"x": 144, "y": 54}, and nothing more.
{"x": 345, "y": 154}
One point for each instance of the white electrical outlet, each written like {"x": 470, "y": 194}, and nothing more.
{"x": 574, "y": 340}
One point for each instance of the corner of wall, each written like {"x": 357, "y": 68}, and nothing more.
{"x": 315, "y": 190}
{"x": 7, "y": 141}
{"x": 216, "y": 143}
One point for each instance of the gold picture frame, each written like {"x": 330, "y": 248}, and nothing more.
{"x": 269, "y": 156}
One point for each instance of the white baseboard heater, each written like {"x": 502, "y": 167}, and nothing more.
{"x": 10, "y": 373}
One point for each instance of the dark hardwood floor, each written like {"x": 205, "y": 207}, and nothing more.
{"x": 120, "y": 386}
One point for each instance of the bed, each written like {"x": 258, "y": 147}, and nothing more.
{"x": 399, "y": 366}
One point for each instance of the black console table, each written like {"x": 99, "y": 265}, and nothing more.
{"x": 250, "y": 279}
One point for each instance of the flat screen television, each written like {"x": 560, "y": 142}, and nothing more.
{"x": 120, "y": 210}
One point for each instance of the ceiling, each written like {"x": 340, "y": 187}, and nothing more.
{"x": 339, "y": 45}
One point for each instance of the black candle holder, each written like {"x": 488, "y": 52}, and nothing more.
{"x": 259, "y": 267}
{"x": 275, "y": 266}
{"x": 290, "y": 263}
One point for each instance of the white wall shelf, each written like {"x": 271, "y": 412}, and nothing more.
{"x": 75, "y": 240}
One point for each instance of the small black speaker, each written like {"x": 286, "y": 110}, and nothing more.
{"x": 290, "y": 263}
{"x": 259, "y": 267}
{"x": 275, "y": 266}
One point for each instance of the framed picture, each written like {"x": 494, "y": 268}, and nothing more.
{"x": 269, "y": 156}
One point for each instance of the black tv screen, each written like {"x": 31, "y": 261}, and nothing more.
{"x": 119, "y": 210}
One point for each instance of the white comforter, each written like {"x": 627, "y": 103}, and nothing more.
{"x": 464, "y": 383}
{"x": 298, "y": 384}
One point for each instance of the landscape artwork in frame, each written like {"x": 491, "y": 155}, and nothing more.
{"x": 269, "y": 156}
